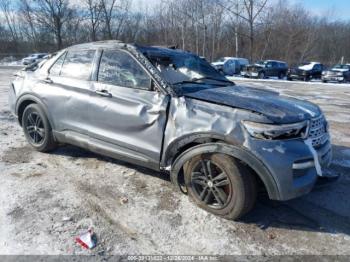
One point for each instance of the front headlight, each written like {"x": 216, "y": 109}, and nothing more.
{"x": 271, "y": 131}
{"x": 340, "y": 74}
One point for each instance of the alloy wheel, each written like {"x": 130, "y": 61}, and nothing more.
{"x": 35, "y": 128}
{"x": 211, "y": 184}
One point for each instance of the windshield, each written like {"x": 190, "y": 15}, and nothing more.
{"x": 223, "y": 59}
{"x": 341, "y": 67}
{"x": 183, "y": 68}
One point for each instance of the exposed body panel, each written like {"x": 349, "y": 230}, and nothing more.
{"x": 270, "y": 104}
{"x": 67, "y": 103}
{"x": 129, "y": 118}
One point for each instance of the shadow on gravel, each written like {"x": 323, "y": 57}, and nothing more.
{"x": 307, "y": 213}
{"x": 298, "y": 214}
{"x": 76, "y": 152}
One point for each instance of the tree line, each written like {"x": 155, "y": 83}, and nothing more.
{"x": 255, "y": 29}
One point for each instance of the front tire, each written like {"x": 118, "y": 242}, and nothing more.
{"x": 37, "y": 129}
{"x": 221, "y": 185}
{"x": 261, "y": 75}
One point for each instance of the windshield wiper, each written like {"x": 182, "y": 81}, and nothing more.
{"x": 213, "y": 78}
{"x": 194, "y": 80}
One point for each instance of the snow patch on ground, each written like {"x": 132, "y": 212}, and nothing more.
{"x": 10, "y": 61}
{"x": 276, "y": 80}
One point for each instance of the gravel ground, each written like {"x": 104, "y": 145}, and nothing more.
{"x": 48, "y": 199}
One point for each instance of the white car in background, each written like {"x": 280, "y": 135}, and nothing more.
{"x": 34, "y": 58}
{"x": 230, "y": 65}
{"x": 339, "y": 73}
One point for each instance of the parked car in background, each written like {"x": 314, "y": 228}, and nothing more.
{"x": 338, "y": 73}
{"x": 264, "y": 69}
{"x": 168, "y": 109}
{"x": 33, "y": 58}
{"x": 230, "y": 65}
{"x": 306, "y": 71}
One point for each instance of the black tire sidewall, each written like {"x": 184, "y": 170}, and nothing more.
{"x": 235, "y": 207}
{"x": 47, "y": 143}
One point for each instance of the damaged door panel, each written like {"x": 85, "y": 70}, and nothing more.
{"x": 66, "y": 91}
{"x": 126, "y": 114}
{"x": 168, "y": 109}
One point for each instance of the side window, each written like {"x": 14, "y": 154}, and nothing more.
{"x": 78, "y": 64}
{"x": 119, "y": 68}
{"x": 56, "y": 68}
{"x": 274, "y": 64}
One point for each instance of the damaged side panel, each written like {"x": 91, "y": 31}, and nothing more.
{"x": 191, "y": 120}
{"x": 131, "y": 119}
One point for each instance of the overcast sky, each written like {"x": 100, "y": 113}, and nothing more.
{"x": 338, "y": 9}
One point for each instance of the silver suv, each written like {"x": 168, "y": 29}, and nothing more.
{"x": 170, "y": 110}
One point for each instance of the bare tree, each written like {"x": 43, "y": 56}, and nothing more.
{"x": 6, "y": 8}
{"x": 94, "y": 13}
{"x": 114, "y": 14}
{"x": 247, "y": 28}
{"x": 53, "y": 14}
{"x": 252, "y": 11}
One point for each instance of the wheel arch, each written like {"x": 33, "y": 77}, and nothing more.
{"x": 181, "y": 144}
{"x": 26, "y": 100}
{"x": 235, "y": 151}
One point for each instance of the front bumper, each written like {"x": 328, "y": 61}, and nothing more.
{"x": 249, "y": 74}
{"x": 296, "y": 76}
{"x": 333, "y": 78}
{"x": 291, "y": 163}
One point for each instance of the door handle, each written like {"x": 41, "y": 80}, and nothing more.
{"x": 48, "y": 80}
{"x": 103, "y": 93}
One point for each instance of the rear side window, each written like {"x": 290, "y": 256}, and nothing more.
{"x": 56, "y": 68}
{"x": 317, "y": 67}
{"x": 120, "y": 69}
{"x": 78, "y": 64}
{"x": 274, "y": 64}
{"x": 281, "y": 65}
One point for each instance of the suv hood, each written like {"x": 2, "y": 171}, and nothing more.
{"x": 339, "y": 70}
{"x": 278, "y": 109}
{"x": 218, "y": 63}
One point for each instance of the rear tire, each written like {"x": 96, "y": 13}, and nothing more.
{"x": 37, "y": 129}
{"x": 221, "y": 185}
{"x": 281, "y": 75}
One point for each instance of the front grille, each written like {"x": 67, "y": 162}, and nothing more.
{"x": 318, "y": 131}
{"x": 332, "y": 73}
